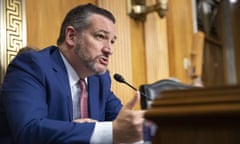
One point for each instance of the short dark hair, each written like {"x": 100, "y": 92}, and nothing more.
{"x": 78, "y": 18}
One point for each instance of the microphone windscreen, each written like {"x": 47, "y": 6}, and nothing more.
{"x": 119, "y": 78}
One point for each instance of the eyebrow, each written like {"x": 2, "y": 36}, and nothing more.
{"x": 105, "y": 32}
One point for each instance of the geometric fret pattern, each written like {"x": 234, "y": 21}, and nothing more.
{"x": 13, "y": 32}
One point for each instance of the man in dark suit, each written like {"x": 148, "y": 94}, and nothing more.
{"x": 40, "y": 90}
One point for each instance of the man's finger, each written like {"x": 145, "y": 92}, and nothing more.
{"x": 133, "y": 101}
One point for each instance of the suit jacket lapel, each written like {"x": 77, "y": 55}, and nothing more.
{"x": 93, "y": 97}
{"x": 61, "y": 73}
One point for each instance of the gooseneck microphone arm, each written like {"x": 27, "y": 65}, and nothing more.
{"x": 120, "y": 79}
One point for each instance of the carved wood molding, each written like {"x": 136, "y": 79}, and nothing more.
{"x": 13, "y": 31}
{"x": 196, "y": 102}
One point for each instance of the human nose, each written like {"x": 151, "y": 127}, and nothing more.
{"x": 108, "y": 47}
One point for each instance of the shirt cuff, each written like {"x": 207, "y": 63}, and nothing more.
{"x": 102, "y": 133}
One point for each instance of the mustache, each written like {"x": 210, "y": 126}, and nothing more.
{"x": 106, "y": 56}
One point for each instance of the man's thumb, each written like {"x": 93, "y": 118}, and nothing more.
{"x": 133, "y": 101}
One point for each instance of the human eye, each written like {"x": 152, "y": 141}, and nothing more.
{"x": 100, "y": 36}
{"x": 113, "y": 41}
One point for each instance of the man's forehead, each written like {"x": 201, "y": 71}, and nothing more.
{"x": 103, "y": 24}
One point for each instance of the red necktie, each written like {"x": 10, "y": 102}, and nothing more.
{"x": 83, "y": 99}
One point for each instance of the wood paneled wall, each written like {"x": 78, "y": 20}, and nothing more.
{"x": 44, "y": 18}
{"x": 156, "y": 47}
{"x": 121, "y": 60}
{"x": 236, "y": 35}
{"x": 180, "y": 35}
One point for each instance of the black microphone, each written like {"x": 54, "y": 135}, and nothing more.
{"x": 120, "y": 79}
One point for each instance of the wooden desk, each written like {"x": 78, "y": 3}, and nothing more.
{"x": 197, "y": 116}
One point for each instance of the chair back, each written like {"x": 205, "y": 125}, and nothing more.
{"x": 153, "y": 90}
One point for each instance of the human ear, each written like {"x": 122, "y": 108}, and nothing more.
{"x": 71, "y": 36}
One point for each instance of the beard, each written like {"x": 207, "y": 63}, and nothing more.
{"x": 90, "y": 63}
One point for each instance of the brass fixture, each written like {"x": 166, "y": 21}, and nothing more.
{"x": 137, "y": 9}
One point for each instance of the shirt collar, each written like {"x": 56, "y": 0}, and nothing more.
{"x": 72, "y": 75}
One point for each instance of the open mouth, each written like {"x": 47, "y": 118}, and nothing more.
{"x": 104, "y": 60}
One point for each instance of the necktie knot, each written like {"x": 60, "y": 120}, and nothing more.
{"x": 82, "y": 84}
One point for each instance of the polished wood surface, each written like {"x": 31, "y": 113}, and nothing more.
{"x": 203, "y": 115}
{"x": 197, "y": 54}
{"x": 156, "y": 46}
{"x": 121, "y": 60}
{"x": 180, "y": 35}
{"x": 44, "y": 18}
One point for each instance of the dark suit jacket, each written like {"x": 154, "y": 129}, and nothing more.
{"x": 37, "y": 103}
